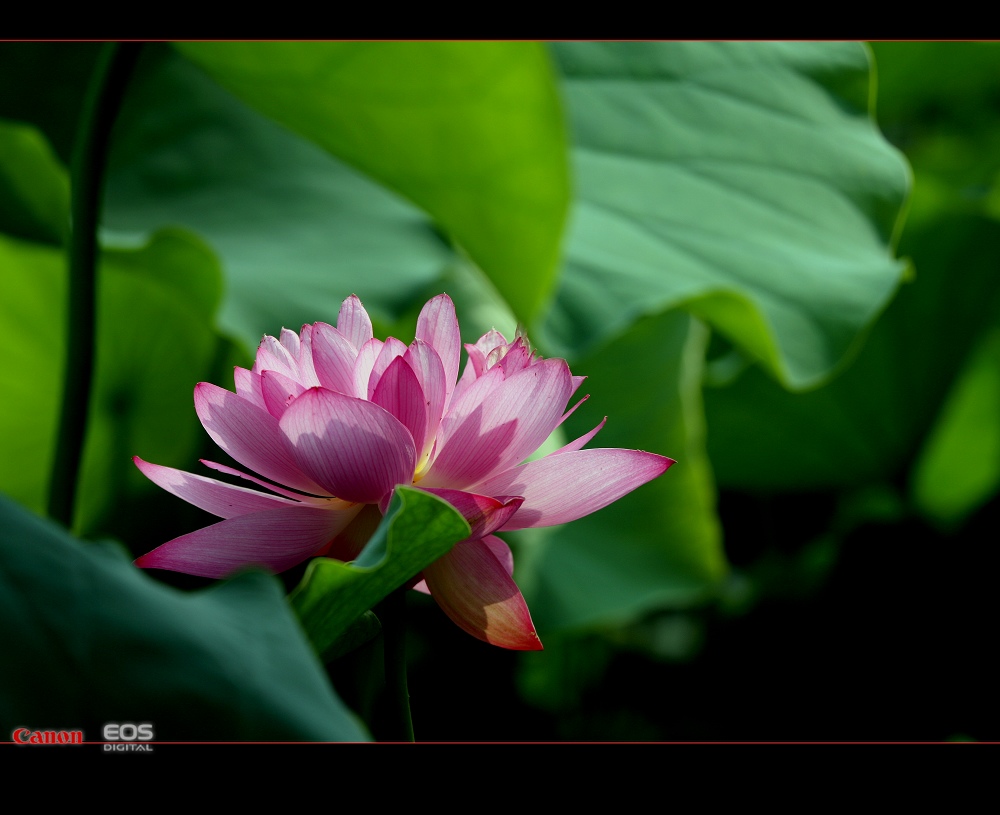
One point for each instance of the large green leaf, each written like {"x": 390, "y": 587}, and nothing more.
{"x": 745, "y": 181}
{"x": 34, "y": 189}
{"x": 295, "y": 229}
{"x": 471, "y": 132}
{"x": 870, "y": 422}
{"x": 417, "y": 529}
{"x": 155, "y": 341}
{"x": 90, "y": 639}
{"x": 661, "y": 545}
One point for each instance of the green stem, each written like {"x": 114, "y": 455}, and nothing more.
{"x": 100, "y": 108}
{"x": 392, "y": 614}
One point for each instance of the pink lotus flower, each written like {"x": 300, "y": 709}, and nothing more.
{"x": 339, "y": 419}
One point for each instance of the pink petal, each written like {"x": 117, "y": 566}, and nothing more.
{"x": 333, "y": 358}
{"x": 464, "y": 464}
{"x": 336, "y": 503}
{"x": 490, "y": 340}
{"x": 217, "y": 497}
{"x": 565, "y": 486}
{"x": 513, "y": 421}
{"x": 391, "y": 349}
{"x": 363, "y": 365}
{"x": 399, "y": 392}
{"x": 273, "y": 356}
{"x": 473, "y": 588}
{"x": 474, "y": 368}
{"x": 248, "y": 387}
{"x": 427, "y": 365}
{"x": 576, "y": 444}
{"x": 251, "y": 436}
{"x": 354, "y": 322}
{"x": 484, "y": 514}
{"x": 355, "y": 449}
{"x": 438, "y": 326}
{"x": 307, "y": 369}
{"x": 278, "y": 392}
{"x": 276, "y": 539}
{"x": 501, "y": 551}
{"x": 290, "y": 340}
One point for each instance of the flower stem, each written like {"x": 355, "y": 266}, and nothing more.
{"x": 100, "y": 108}
{"x": 392, "y": 614}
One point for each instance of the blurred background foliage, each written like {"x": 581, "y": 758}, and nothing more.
{"x": 801, "y": 310}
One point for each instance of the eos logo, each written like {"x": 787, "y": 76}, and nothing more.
{"x": 128, "y": 733}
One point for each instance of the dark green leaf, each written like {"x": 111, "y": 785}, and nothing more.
{"x": 90, "y": 639}
{"x": 295, "y": 229}
{"x": 869, "y": 423}
{"x": 744, "y": 181}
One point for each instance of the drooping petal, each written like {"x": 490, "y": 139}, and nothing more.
{"x": 276, "y": 539}
{"x": 484, "y": 513}
{"x": 474, "y": 589}
{"x": 565, "y": 486}
{"x": 438, "y": 326}
{"x": 357, "y": 450}
{"x": 333, "y": 358}
{"x": 354, "y": 322}
{"x": 251, "y": 436}
{"x": 217, "y": 497}
{"x": 399, "y": 392}
{"x": 278, "y": 392}
{"x": 501, "y": 551}
{"x": 509, "y": 425}
{"x": 334, "y": 503}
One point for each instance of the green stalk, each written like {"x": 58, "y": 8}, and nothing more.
{"x": 392, "y": 614}
{"x": 100, "y": 108}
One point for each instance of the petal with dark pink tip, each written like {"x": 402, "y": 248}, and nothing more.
{"x": 357, "y": 450}
{"x": 251, "y": 436}
{"x": 217, "y": 497}
{"x": 276, "y": 539}
{"x": 474, "y": 589}
{"x": 513, "y": 420}
{"x": 565, "y": 486}
{"x": 483, "y": 513}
